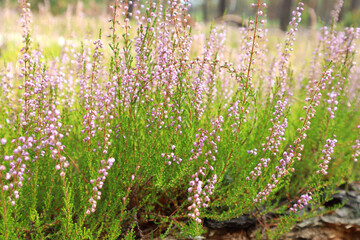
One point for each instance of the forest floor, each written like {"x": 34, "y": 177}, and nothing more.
{"x": 318, "y": 231}
{"x": 340, "y": 224}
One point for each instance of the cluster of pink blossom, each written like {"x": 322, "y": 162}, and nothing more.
{"x": 293, "y": 152}
{"x": 154, "y": 117}
{"x": 39, "y": 117}
{"x": 315, "y": 66}
{"x": 99, "y": 182}
{"x": 17, "y": 164}
{"x": 68, "y": 71}
{"x": 252, "y": 152}
{"x": 234, "y": 111}
{"x": 53, "y": 138}
{"x": 172, "y": 156}
{"x": 203, "y": 138}
{"x": 338, "y": 44}
{"x": 201, "y": 193}
{"x": 303, "y": 201}
{"x": 98, "y": 99}
{"x": 28, "y": 104}
{"x": 261, "y": 61}
{"x": 356, "y": 147}
{"x": 332, "y": 102}
{"x": 43, "y": 130}
{"x": 142, "y": 78}
{"x": 204, "y": 82}
{"x": 353, "y": 88}
{"x": 282, "y": 170}
{"x": 281, "y": 77}
{"x": 250, "y": 36}
{"x": 288, "y": 48}
{"x": 243, "y": 74}
{"x": 336, "y": 12}
{"x": 257, "y": 170}
{"x": 91, "y": 94}
{"x": 27, "y": 66}
{"x": 172, "y": 59}
{"x": 277, "y": 132}
{"x": 26, "y": 18}
{"x": 199, "y": 144}
{"x": 327, "y": 151}
{"x": 6, "y": 88}
{"x": 162, "y": 49}
{"x": 202, "y": 190}
{"x": 314, "y": 101}
{"x": 106, "y": 108}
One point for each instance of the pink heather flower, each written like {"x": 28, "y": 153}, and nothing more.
{"x": 357, "y": 150}
{"x": 3, "y": 141}
{"x": 303, "y": 201}
{"x": 7, "y": 176}
{"x": 356, "y": 147}
{"x": 336, "y": 12}
{"x": 111, "y": 161}
{"x": 103, "y": 172}
{"x": 327, "y": 151}
{"x": 290, "y": 155}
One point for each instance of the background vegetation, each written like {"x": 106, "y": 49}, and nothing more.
{"x": 115, "y": 128}
{"x": 279, "y": 11}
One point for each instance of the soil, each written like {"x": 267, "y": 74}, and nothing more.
{"x": 340, "y": 224}
{"x": 323, "y": 231}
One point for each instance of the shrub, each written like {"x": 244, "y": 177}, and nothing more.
{"x": 147, "y": 130}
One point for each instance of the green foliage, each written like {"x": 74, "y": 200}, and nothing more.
{"x": 352, "y": 19}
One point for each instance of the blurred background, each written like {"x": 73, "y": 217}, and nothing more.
{"x": 279, "y": 11}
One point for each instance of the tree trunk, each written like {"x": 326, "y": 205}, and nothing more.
{"x": 325, "y": 11}
{"x": 342, "y": 11}
{"x": 312, "y": 14}
{"x": 285, "y": 12}
{"x": 354, "y": 5}
{"x": 130, "y": 10}
{"x": 222, "y": 7}
{"x": 205, "y": 11}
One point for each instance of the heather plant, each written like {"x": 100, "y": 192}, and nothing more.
{"x": 152, "y": 126}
